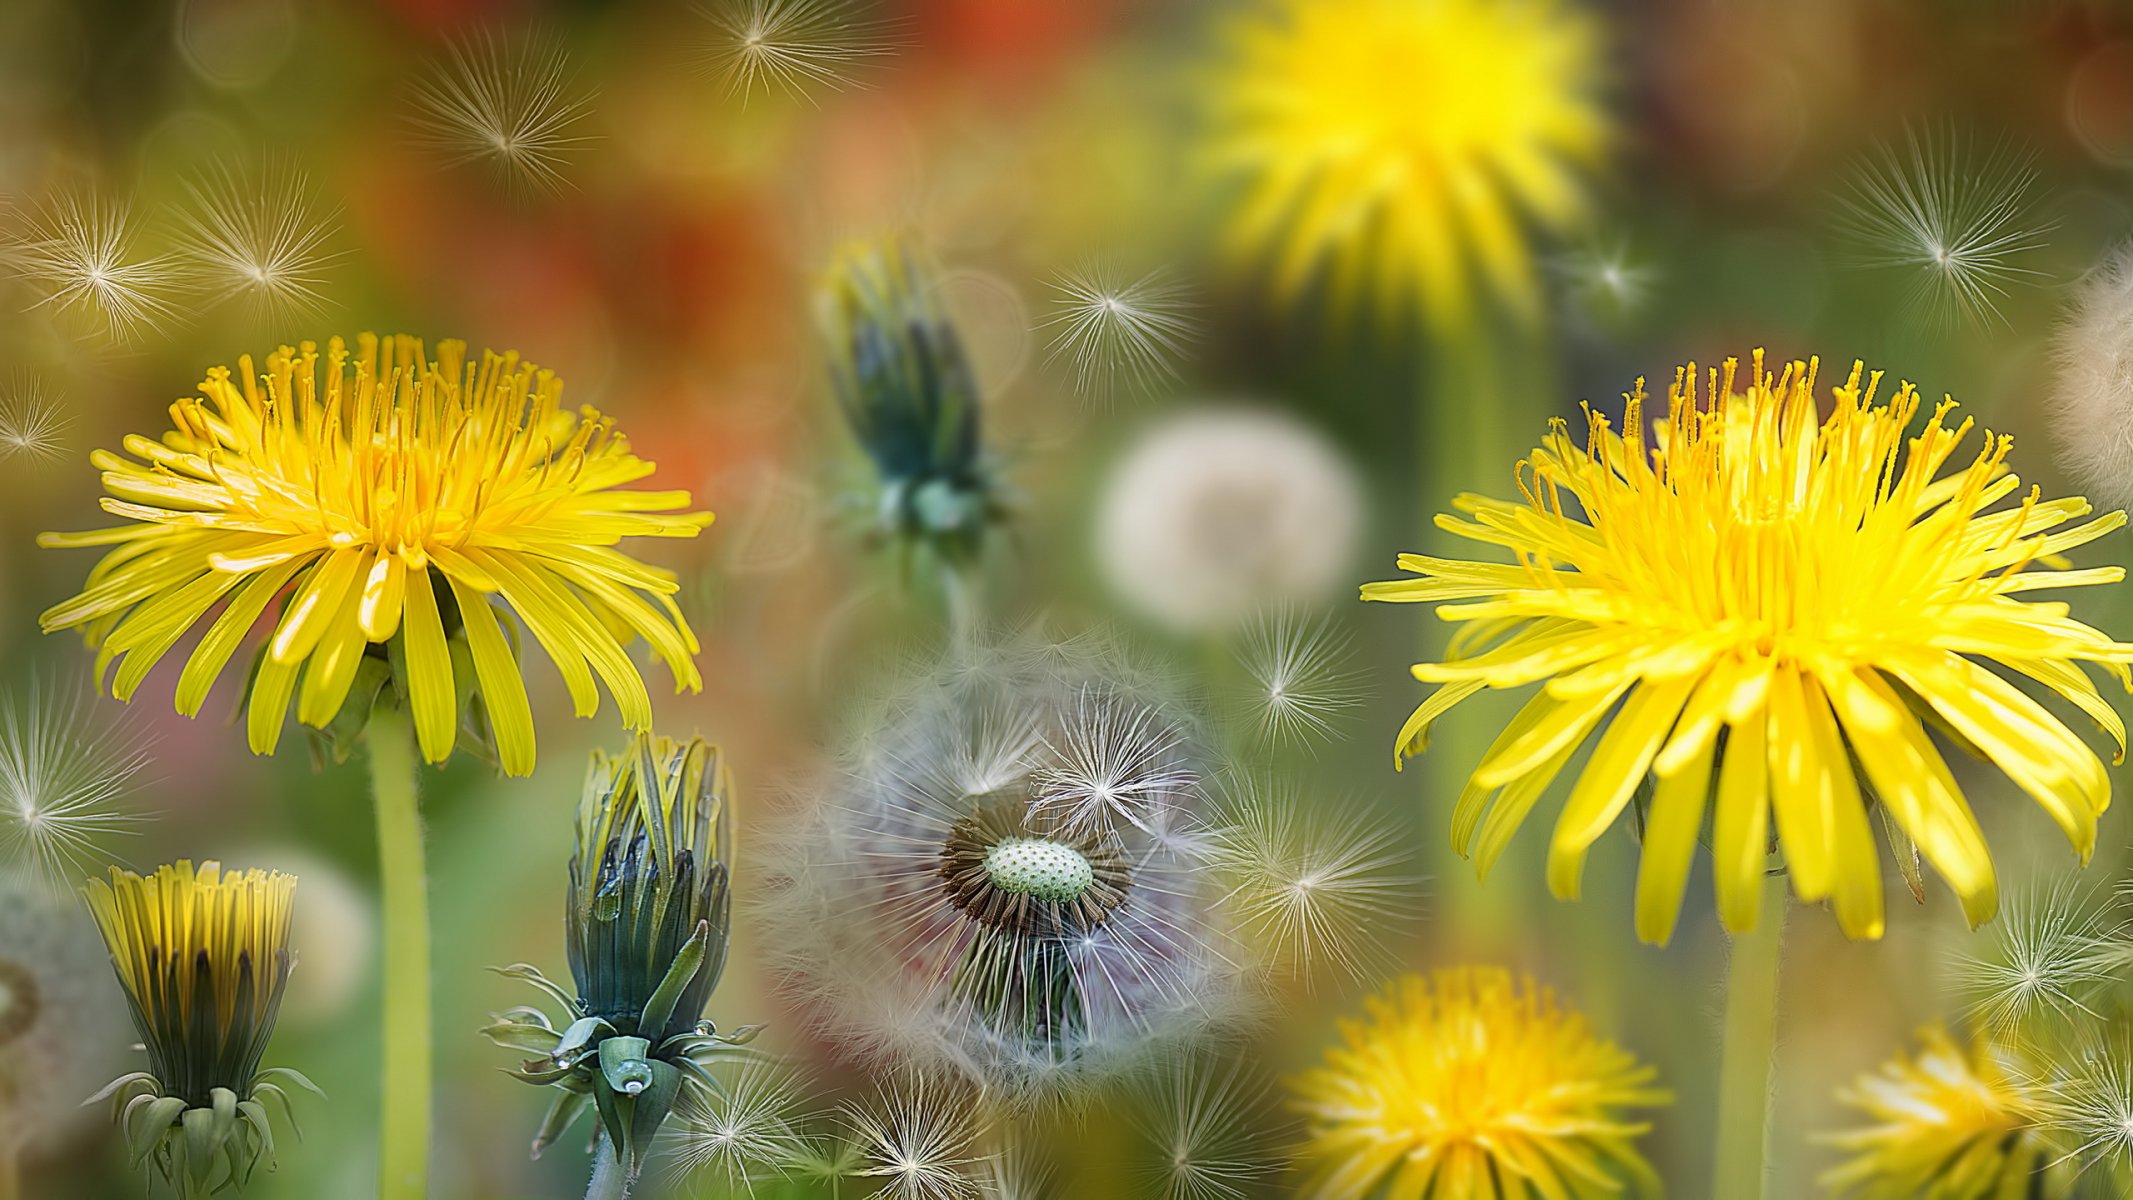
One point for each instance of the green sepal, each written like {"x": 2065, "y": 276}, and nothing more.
{"x": 559, "y": 1118}
{"x": 201, "y": 1143}
{"x": 292, "y": 1075}
{"x": 524, "y": 1036}
{"x": 687, "y": 961}
{"x": 288, "y": 1110}
{"x": 255, "y": 1114}
{"x": 623, "y": 1065}
{"x": 111, "y": 1091}
{"x": 155, "y": 1120}
{"x": 580, "y": 1035}
{"x": 650, "y": 1111}
{"x": 543, "y": 1072}
{"x": 527, "y": 973}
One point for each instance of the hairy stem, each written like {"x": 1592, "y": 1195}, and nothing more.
{"x": 610, "y": 1179}
{"x": 1750, "y": 1040}
{"x": 404, "y": 1126}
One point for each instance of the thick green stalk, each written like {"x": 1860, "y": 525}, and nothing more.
{"x": 610, "y": 1179}
{"x": 1750, "y": 1043}
{"x": 404, "y": 1124}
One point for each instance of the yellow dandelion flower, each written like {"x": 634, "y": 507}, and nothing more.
{"x": 1473, "y": 1086}
{"x": 1946, "y": 1125}
{"x": 1770, "y": 603}
{"x": 397, "y": 503}
{"x": 1410, "y": 144}
{"x": 203, "y": 956}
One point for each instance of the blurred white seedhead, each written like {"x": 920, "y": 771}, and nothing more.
{"x": 2048, "y": 959}
{"x": 1118, "y": 335}
{"x": 978, "y": 893}
{"x": 1311, "y": 883}
{"x": 1199, "y": 1118}
{"x": 505, "y": 102}
{"x": 1301, "y": 679}
{"x": 1605, "y": 280}
{"x": 745, "y": 1132}
{"x": 1217, "y": 515}
{"x": 33, "y": 425}
{"x": 63, "y": 1027}
{"x": 259, "y": 236}
{"x": 79, "y": 254}
{"x": 2088, "y": 1104}
{"x": 2092, "y": 390}
{"x": 795, "y": 46}
{"x": 1957, "y": 216}
{"x": 918, "y": 1139}
{"x": 66, "y": 773}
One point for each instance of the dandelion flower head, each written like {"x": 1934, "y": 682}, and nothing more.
{"x": 1763, "y": 596}
{"x": 395, "y": 502}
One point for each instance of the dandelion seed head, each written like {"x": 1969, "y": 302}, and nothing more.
{"x": 260, "y": 237}
{"x": 1117, "y": 335}
{"x": 1310, "y": 889}
{"x": 2092, "y": 394}
{"x": 1217, "y": 515}
{"x": 2089, "y": 1106}
{"x": 1196, "y": 1117}
{"x": 2048, "y": 958}
{"x": 795, "y": 46}
{"x": 80, "y": 254}
{"x": 1301, "y": 681}
{"x": 1959, "y": 217}
{"x": 62, "y": 1016}
{"x": 66, "y": 772}
{"x": 33, "y": 426}
{"x": 506, "y": 102}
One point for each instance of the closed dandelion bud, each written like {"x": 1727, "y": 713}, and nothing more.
{"x": 905, "y": 384}
{"x": 645, "y": 931}
{"x": 204, "y": 957}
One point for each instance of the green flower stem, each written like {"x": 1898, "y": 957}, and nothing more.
{"x": 1750, "y": 1043}
{"x": 10, "y": 1169}
{"x": 610, "y": 1179}
{"x": 404, "y": 1126}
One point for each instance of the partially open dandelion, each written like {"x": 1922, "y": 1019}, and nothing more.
{"x": 1958, "y": 217}
{"x": 956, "y": 905}
{"x": 2047, "y": 960}
{"x": 1197, "y": 1116}
{"x": 65, "y": 774}
{"x": 648, "y": 914}
{"x": 62, "y": 1023}
{"x": 1216, "y": 515}
{"x": 1301, "y": 681}
{"x": 260, "y": 237}
{"x": 1948, "y": 1124}
{"x": 33, "y": 425}
{"x": 918, "y": 1139}
{"x": 204, "y": 957}
{"x": 2092, "y": 389}
{"x": 406, "y": 504}
{"x": 1472, "y": 1085}
{"x": 1404, "y": 148}
{"x": 1310, "y": 887}
{"x": 746, "y": 1131}
{"x": 1119, "y": 335}
{"x": 81, "y": 255}
{"x": 795, "y": 46}
{"x": 1859, "y": 592}
{"x": 506, "y": 102}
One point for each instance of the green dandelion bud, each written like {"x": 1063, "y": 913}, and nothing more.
{"x": 204, "y": 958}
{"x": 645, "y": 931}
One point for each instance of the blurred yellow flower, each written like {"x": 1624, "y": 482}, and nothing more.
{"x": 1408, "y": 145}
{"x": 1768, "y": 602}
{"x": 1947, "y": 1126}
{"x": 397, "y": 500}
{"x": 1473, "y": 1086}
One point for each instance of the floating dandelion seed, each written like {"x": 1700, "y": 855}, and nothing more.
{"x": 1605, "y": 280}
{"x": 2091, "y": 1107}
{"x": 795, "y": 45}
{"x": 1300, "y": 680}
{"x": 1118, "y": 336}
{"x": 1197, "y": 1120}
{"x": 79, "y": 253}
{"x": 2049, "y": 956}
{"x": 260, "y": 237}
{"x": 1307, "y": 889}
{"x": 1958, "y": 217}
{"x": 917, "y": 1141}
{"x": 32, "y": 425}
{"x": 505, "y": 102}
{"x": 64, "y": 773}
{"x": 745, "y": 1131}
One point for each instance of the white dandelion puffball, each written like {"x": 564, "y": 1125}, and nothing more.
{"x": 1216, "y": 515}
{"x": 1009, "y": 878}
{"x": 2092, "y": 410}
{"x": 63, "y": 1029}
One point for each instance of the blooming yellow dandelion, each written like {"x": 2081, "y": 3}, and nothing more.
{"x": 1410, "y": 144}
{"x": 1473, "y": 1085}
{"x": 1772, "y": 604}
{"x": 397, "y": 502}
{"x": 1948, "y": 1125}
